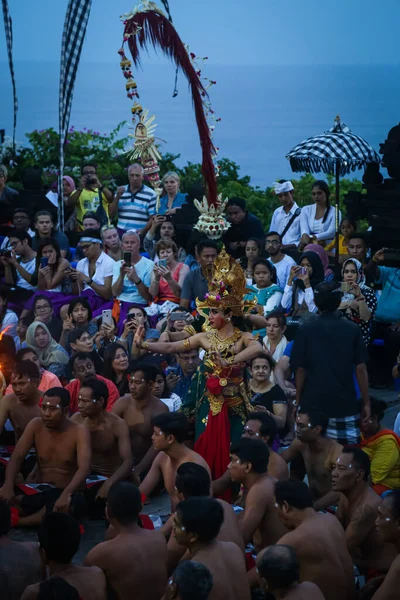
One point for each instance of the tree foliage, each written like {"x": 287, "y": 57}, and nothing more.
{"x": 108, "y": 151}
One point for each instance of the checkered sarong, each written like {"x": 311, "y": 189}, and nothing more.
{"x": 76, "y": 20}
{"x": 9, "y": 42}
{"x": 345, "y": 430}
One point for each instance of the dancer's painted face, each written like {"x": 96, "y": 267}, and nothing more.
{"x": 217, "y": 318}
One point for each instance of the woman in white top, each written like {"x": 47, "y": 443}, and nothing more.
{"x": 317, "y": 221}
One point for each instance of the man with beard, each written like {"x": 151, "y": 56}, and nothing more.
{"x": 282, "y": 262}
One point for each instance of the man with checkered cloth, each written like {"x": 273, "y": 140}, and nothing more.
{"x": 328, "y": 351}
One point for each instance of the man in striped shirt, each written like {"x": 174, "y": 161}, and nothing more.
{"x": 134, "y": 203}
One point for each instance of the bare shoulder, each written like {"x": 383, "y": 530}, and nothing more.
{"x": 76, "y": 418}
{"x": 232, "y": 551}
{"x": 121, "y": 405}
{"x": 31, "y": 592}
{"x": 157, "y": 406}
{"x": 263, "y": 489}
{"x": 116, "y": 421}
{"x": 395, "y": 566}
{"x": 95, "y": 557}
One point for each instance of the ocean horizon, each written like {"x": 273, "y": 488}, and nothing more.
{"x": 264, "y": 110}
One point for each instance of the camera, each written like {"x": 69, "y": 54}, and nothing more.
{"x": 90, "y": 180}
{"x": 5, "y": 253}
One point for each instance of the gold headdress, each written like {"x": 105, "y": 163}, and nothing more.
{"x": 226, "y": 287}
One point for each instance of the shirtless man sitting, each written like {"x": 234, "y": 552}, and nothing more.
{"x": 259, "y": 522}
{"x": 263, "y": 427}
{"x": 319, "y": 454}
{"x": 279, "y": 572}
{"x": 109, "y": 435}
{"x": 358, "y": 511}
{"x": 193, "y": 480}
{"x": 196, "y": 526}
{"x": 23, "y": 404}
{"x": 135, "y": 560}
{"x": 388, "y": 525}
{"x": 169, "y": 433}
{"x": 63, "y": 459}
{"x": 318, "y": 540}
{"x": 59, "y": 539}
{"x": 137, "y": 410}
{"x": 20, "y": 563}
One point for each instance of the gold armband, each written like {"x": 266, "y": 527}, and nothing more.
{"x": 144, "y": 345}
{"x": 186, "y": 344}
{"x": 190, "y": 330}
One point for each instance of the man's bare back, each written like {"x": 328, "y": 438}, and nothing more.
{"x": 19, "y": 413}
{"x": 20, "y": 566}
{"x": 135, "y": 564}
{"x": 166, "y": 467}
{"x": 89, "y": 581}
{"x": 106, "y": 458}
{"x": 305, "y": 591}
{"x": 227, "y": 565}
{"x": 259, "y": 521}
{"x": 277, "y": 466}
{"x": 138, "y": 420}
{"x": 321, "y": 548}
{"x": 364, "y": 543}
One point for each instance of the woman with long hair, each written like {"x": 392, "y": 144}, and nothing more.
{"x": 168, "y": 276}
{"x": 172, "y": 199}
{"x": 78, "y": 315}
{"x": 265, "y": 394}
{"x": 162, "y": 391}
{"x": 51, "y": 275}
{"x": 298, "y": 296}
{"x": 52, "y": 356}
{"x": 322, "y": 253}
{"x": 317, "y": 221}
{"x": 116, "y": 366}
{"x": 161, "y": 230}
{"x": 253, "y": 251}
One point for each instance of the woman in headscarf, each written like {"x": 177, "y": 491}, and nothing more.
{"x": 298, "y": 297}
{"x": 359, "y": 301}
{"x": 328, "y": 273}
{"x": 52, "y": 356}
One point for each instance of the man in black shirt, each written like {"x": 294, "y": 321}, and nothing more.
{"x": 327, "y": 350}
{"x": 244, "y": 225}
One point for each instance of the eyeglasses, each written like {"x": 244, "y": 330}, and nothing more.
{"x": 42, "y": 307}
{"x": 86, "y": 246}
{"x": 107, "y": 228}
{"x": 272, "y": 242}
{"x": 13, "y": 244}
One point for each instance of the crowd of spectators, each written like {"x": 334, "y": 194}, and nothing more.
{"x": 78, "y": 389}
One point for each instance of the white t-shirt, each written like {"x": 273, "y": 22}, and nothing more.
{"x": 30, "y": 267}
{"x": 104, "y": 268}
{"x": 283, "y": 269}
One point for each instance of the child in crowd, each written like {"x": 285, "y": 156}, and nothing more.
{"x": 348, "y": 227}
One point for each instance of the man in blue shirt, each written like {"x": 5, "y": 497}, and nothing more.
{"x": 244, "y": 225}
{"x": 387, "y": 315}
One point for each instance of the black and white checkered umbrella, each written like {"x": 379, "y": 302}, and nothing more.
{"x": 337, "y": 151}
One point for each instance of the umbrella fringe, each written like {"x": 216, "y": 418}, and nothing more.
{"x": 309, "y": 165}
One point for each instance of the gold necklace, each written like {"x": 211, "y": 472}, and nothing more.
{"x": 222, "y": 346}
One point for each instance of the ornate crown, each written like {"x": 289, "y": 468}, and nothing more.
{"x": 211, "y": 220}
{"x": 226, "y": 287}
